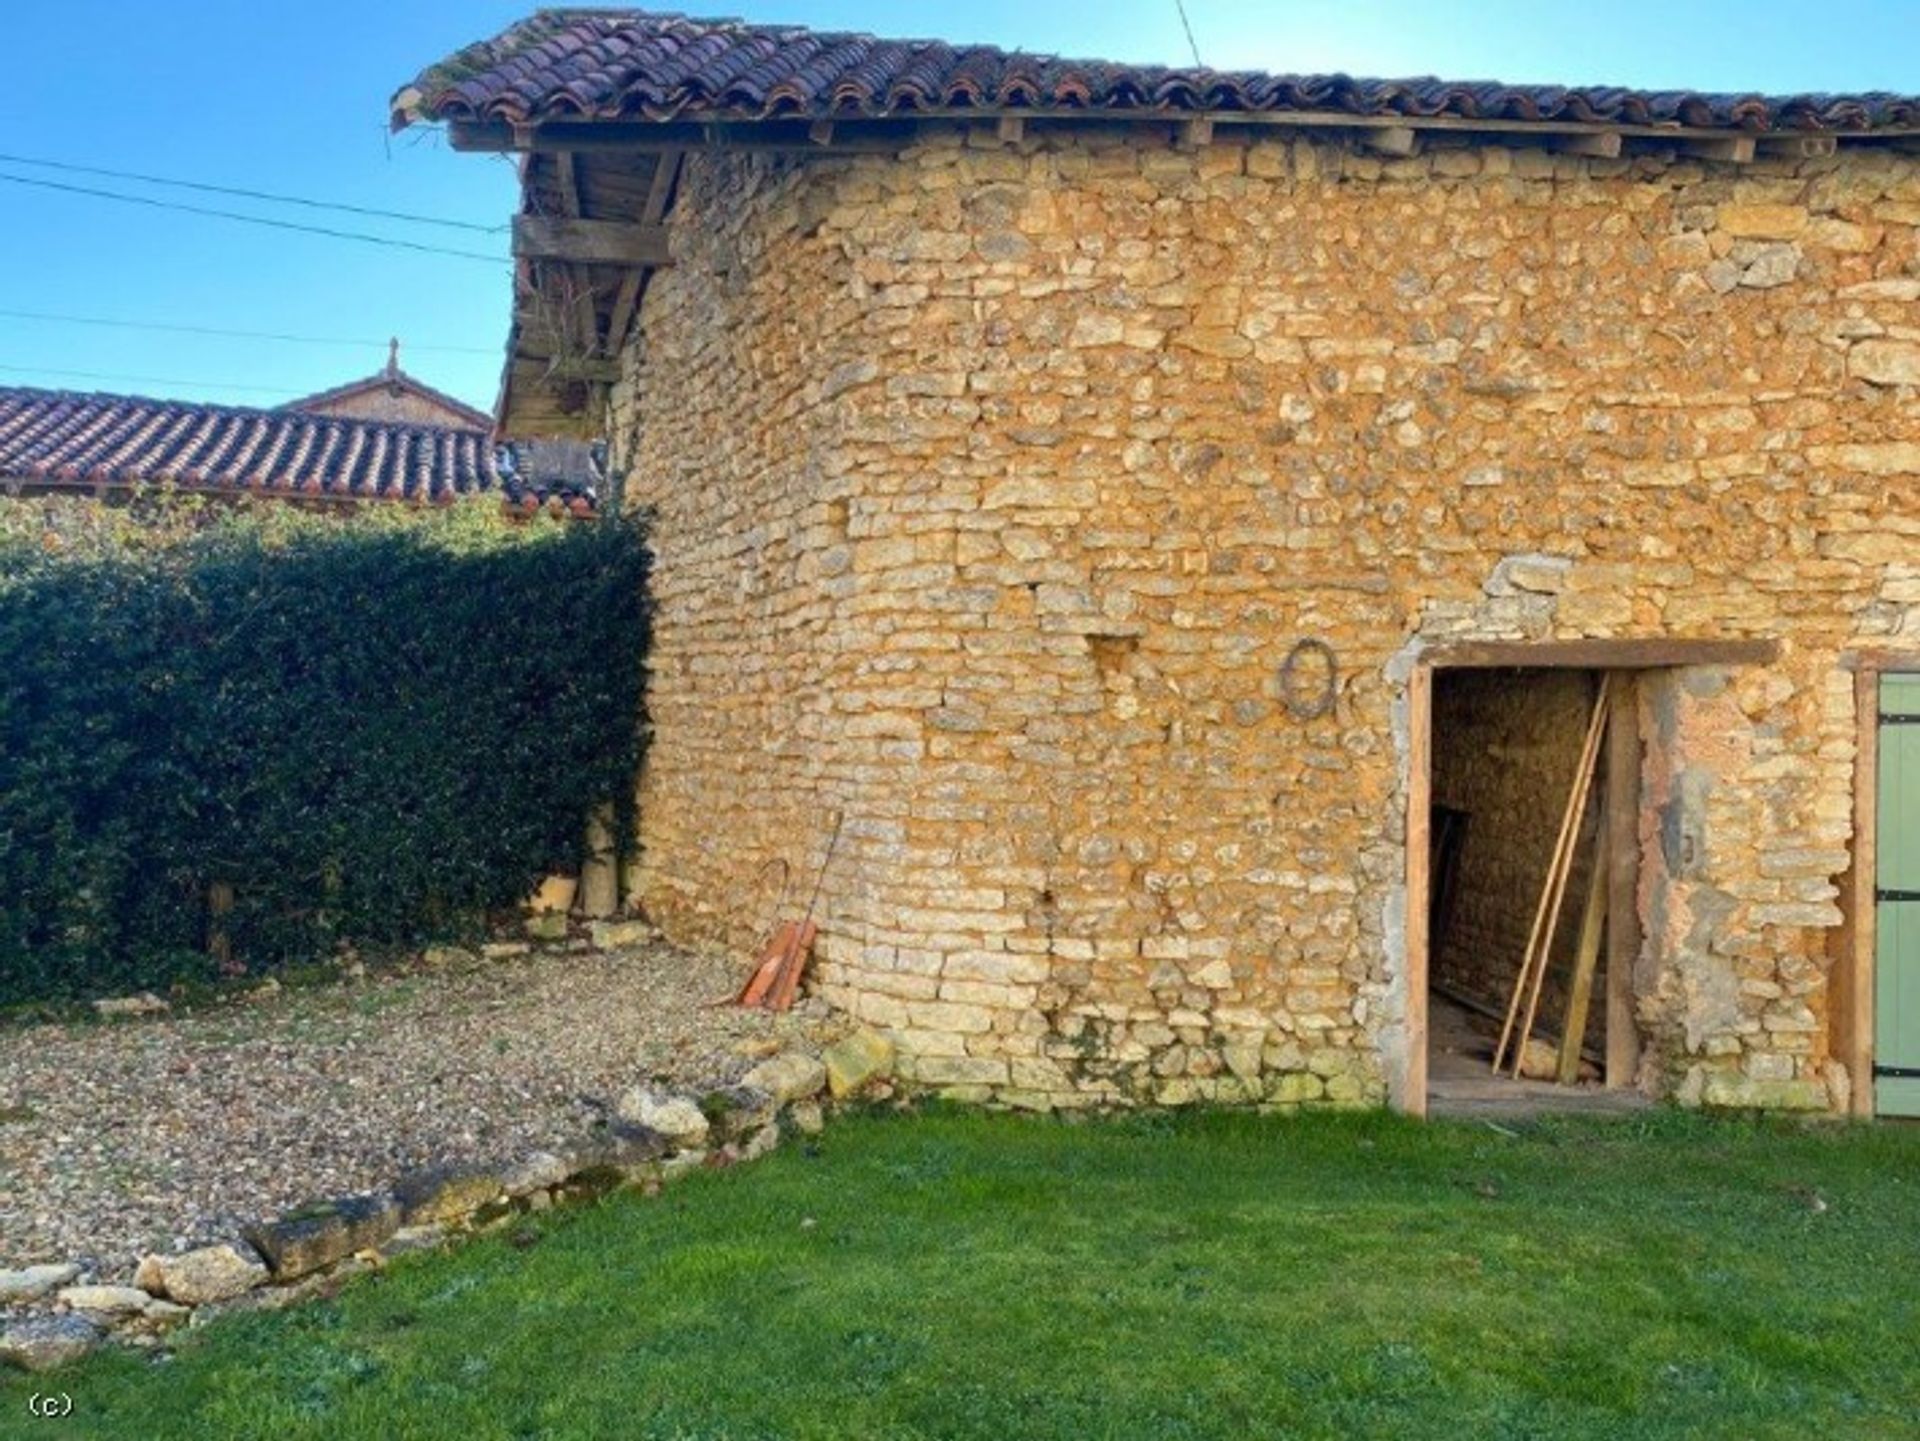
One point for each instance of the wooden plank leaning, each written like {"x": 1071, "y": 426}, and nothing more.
{"x": 1547, "y": 914}
{"x": 1577, "y": 808}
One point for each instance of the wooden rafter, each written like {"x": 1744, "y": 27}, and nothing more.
{"x": 585, "y": 313}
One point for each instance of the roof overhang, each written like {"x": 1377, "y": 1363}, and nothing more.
{"x": 602, "y": 107}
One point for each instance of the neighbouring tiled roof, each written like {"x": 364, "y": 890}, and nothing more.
{"x": 55, "y": 438}
{"x": 631, "y": 64}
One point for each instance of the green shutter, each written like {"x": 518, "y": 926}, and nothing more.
{"x": 1897, "y": 923}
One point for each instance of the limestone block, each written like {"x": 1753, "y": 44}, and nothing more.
{"x": 209, "y": 1273}
{"x": 320, "y": 1234}
{"x": 858, "y": 1061}
{"x": 962, "y": 1070}
{"x": 1727, "y": 1091}
{"x": 789, "y": 1076}
{"x": 678, "y": 1118}
{"x": 29, "y": 1283}
{"x": 1885, "y": 362}
{"x": 444, "y": 1192}
{"x": 1763, "y": 222}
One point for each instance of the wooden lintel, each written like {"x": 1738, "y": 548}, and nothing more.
{"x": 1878, "y": 658}
{"x": 589, "y": 242}
{"x": 1601, "y": 144}
{"x": 1648, "y": 654}
{"x": 821, "y": 132}
{"x": 1196, "y": 133}
{"x": 1393, "y": 140}
{"x": 1011, "y": 129}
{"x": 1797, "y": 147}
{"x": 1732, "y": 149}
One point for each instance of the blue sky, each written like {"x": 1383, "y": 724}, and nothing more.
{"x": 290, "y": 95}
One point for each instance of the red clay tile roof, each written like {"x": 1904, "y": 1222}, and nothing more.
{"x": 54, "y": 438}
{"x": 630, "y": 64}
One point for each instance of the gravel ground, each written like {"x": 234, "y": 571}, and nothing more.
{"x": 119, "y": 1138}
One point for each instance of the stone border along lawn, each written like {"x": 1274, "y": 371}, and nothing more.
{"x": 293, "y": 1141}
{"x": 1194, "y": 1275}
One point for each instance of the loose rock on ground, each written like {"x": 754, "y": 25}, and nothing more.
{"x": 178, "y": 1131}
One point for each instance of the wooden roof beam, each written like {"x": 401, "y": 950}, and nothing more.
{"x": 1195, "y": 134}
{"x": 1392, "y": 140}
{"x": 1731, "y": 149}
{"x": 647, "y": 137}
{"x": 586, "y": 312}
{"x": 1797, "y": 147}
{"x": 589, "y": 242}
{"x": 1601, "y": 144}
{"x": 886, "y": 134}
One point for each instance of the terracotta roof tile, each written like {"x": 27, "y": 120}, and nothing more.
{"x": 636, "y": 65}
{"x": 60, "y": 438}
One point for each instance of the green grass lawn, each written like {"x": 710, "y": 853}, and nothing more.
{"x": 1219, "y": 1275}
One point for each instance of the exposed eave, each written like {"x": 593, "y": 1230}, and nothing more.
{"x": 602, "y": 104}
{"x": 804, "y": 136}
{"x": 590, "y": 235}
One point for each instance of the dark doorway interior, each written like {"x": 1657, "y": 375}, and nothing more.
{"x": 1507, "y": 748}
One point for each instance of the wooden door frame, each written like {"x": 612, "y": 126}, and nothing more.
{"x": 1851, "y": 981}
{"x": 1626, "y": 660}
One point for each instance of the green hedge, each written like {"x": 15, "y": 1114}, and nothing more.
{"x": 372, "y": 729}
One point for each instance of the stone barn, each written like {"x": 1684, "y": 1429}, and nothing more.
{"x": 1202, "y": 532}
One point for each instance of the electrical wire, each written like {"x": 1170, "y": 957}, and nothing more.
{"x": 252, "y": 219}
{"x": 149, "y": 379}
{"x": 1187, "y": 25}
{"x": 244, "y": 194}
{"x": 224, "y": 333}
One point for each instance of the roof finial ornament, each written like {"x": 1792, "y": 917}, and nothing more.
{"x": 393, "y": 356}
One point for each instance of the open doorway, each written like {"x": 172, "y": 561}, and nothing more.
{"x": 1531, "y": 844}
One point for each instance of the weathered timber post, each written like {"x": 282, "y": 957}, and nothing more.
{"x": 600, "y": 872}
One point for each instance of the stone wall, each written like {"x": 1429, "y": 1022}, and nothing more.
{"x": 394, "y": 404}
{"x": 994, "y": 483}
{"x": 1506, "y": 747}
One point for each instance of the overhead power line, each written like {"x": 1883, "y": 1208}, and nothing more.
{"x": 148, "y": 379}
{"x": 223, "y": 333}
{"x": 239, "y": 192}
{"x": 1187, "y": 25}
{"x": 328, "y": 231}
